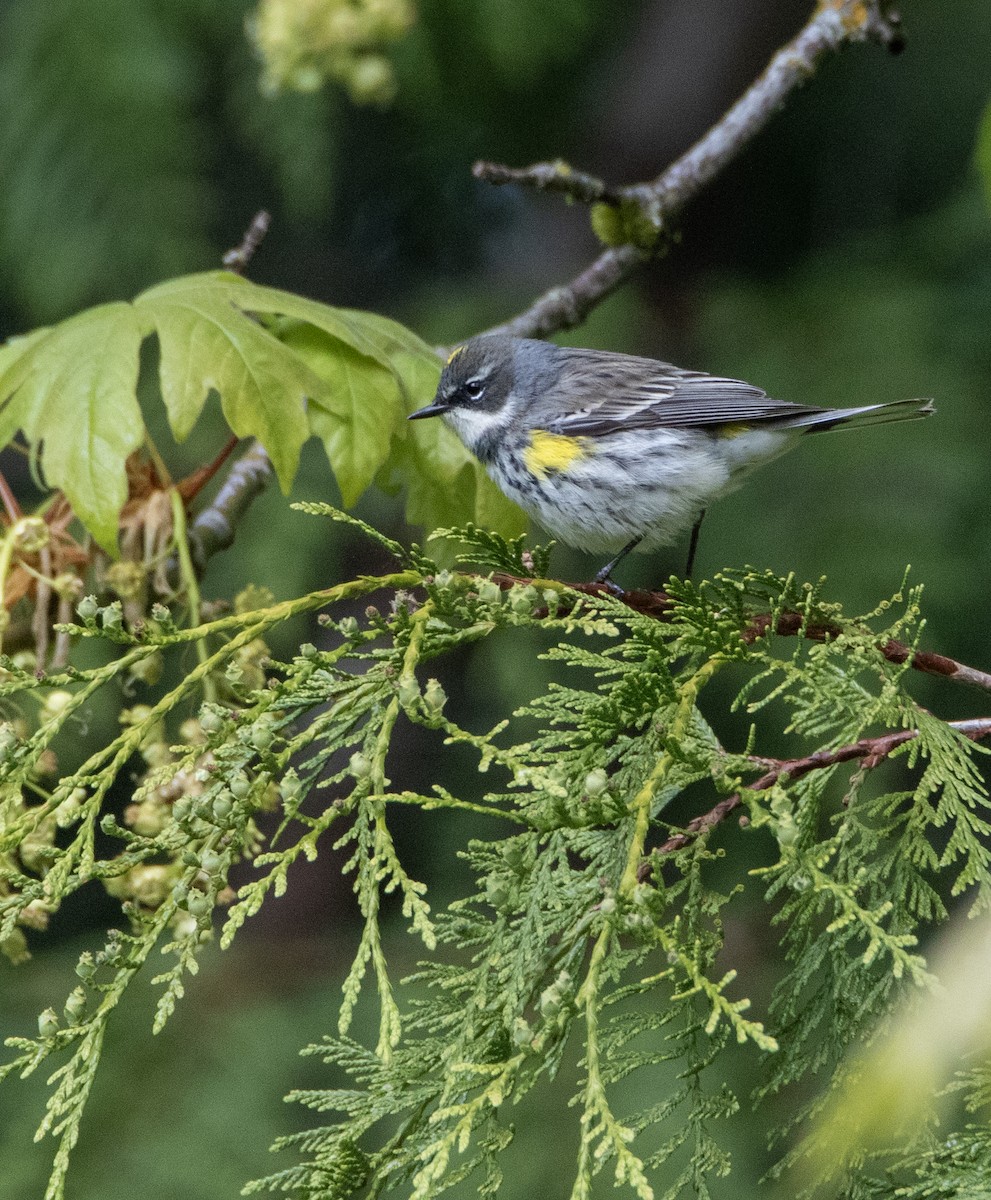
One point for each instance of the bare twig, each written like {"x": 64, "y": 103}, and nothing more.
{"x": 237, "y": 259}
{"x": 213, "y": 530}
{"x": 870, "y": 750}
{"x": 834, "y": 24}
{"x": 556, "y": 176}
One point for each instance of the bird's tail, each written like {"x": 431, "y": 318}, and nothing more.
{"x": 870, "y": 414}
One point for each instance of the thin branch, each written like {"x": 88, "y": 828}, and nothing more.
{"x": 927, "y": 661}
{"x": 834, "y": 24}
{"x": 237, "y": 260}
{"x": 556, "y": 176}
{"x": 213, "y": 529}
{"x": 658, "y": 605}
{"x": 871, "y": 751}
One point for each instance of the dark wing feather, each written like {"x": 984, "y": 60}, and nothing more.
{"x": 620, "y": 393}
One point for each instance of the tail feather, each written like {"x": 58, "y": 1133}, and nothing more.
{"x": 870, "y": 414}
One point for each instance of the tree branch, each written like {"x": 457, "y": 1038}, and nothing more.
{"x": 556, "y": 176}
{"x": 834, "y": 24}
{"x": 871, "y": 751}
{"x": 238, "y": 259}
{"x": 658, "y": 605}
{"x": 213, "y": 529}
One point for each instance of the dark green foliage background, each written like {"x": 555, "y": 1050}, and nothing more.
{"x": 845, "y": 258}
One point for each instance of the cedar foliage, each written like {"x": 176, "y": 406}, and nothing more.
{"x": 575, "y": 939}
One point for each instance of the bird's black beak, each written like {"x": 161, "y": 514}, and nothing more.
{"x": 431, "y": 410}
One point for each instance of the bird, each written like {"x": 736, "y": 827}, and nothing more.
{"x": 614, "y": 452}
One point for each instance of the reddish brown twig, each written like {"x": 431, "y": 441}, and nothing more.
{"x": 927, "y": 661}
{"x": 870, "y": 751}
{"x": 658, "y": 604}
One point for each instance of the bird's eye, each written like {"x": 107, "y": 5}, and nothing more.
{"x": 474, "y": 389}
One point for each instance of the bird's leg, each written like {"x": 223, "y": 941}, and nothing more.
{"x": 603, "y": 575}
{"x": 693, "y": 545}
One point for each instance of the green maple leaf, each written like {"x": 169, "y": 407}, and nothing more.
{"x": 284, "y": 368}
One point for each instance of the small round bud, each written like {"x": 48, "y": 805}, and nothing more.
{"x": 240, "y": 785}
{"x": 523, "y": 600}
{"x": 212, "y": 718}
{"x": 434, "y": 697}
{"x": 261, "y": 735}
{"x": 361, "y": 765}
{"x": 112, "y": 615}
{"x": 75, "y": 1005}
{"x": 290, "y": 787}
{"x": 223, "y": 806}
{"x": 48, "y": 1023}
{"x": 596, "y": 782}
{"x": 87, "y": 608}
{"x": 86, "y": 967}
{"x": 490, "y": 592}
{"x": 522, "y": 1033}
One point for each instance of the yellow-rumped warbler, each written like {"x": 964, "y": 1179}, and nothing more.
{"x": 610, "y": 451}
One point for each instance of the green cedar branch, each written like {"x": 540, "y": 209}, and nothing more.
{"x": 658, "y": 604}
{"x": 871, "y": 752}
{"x": 833, "y": 25}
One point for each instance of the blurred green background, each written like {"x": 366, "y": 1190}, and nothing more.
{"x": 845, "y": 258}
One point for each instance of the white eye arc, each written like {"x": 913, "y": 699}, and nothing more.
{"x": 474, "y": 389}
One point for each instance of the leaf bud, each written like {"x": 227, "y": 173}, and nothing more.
{"x": 489, "y": 592}
{"x": 223, "y": 806}
{"x": 261, "y": 735}
{"x": 240, "y": 785}
{"x": 48, "y": 1023}
{"x": 86, "y": 967}
{"x": 361, "y": 765}
{"x": 112, "y": 615}
{"x": 212, "y": 718}
{"x": 75, "y": 1005}
{"x": 86, "y": 609}
{"x": 596, "y": 782}
{"x": 523, "y": 600}
{"x": 290, "y": 786}
{"x": 434, "y": 697}
{"x": 198, "y": 904}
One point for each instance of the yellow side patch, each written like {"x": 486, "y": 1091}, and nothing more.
{"x": 549, "y": 452}
{"x": 454, "y": 354}
{"x": 732, "y": 431}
